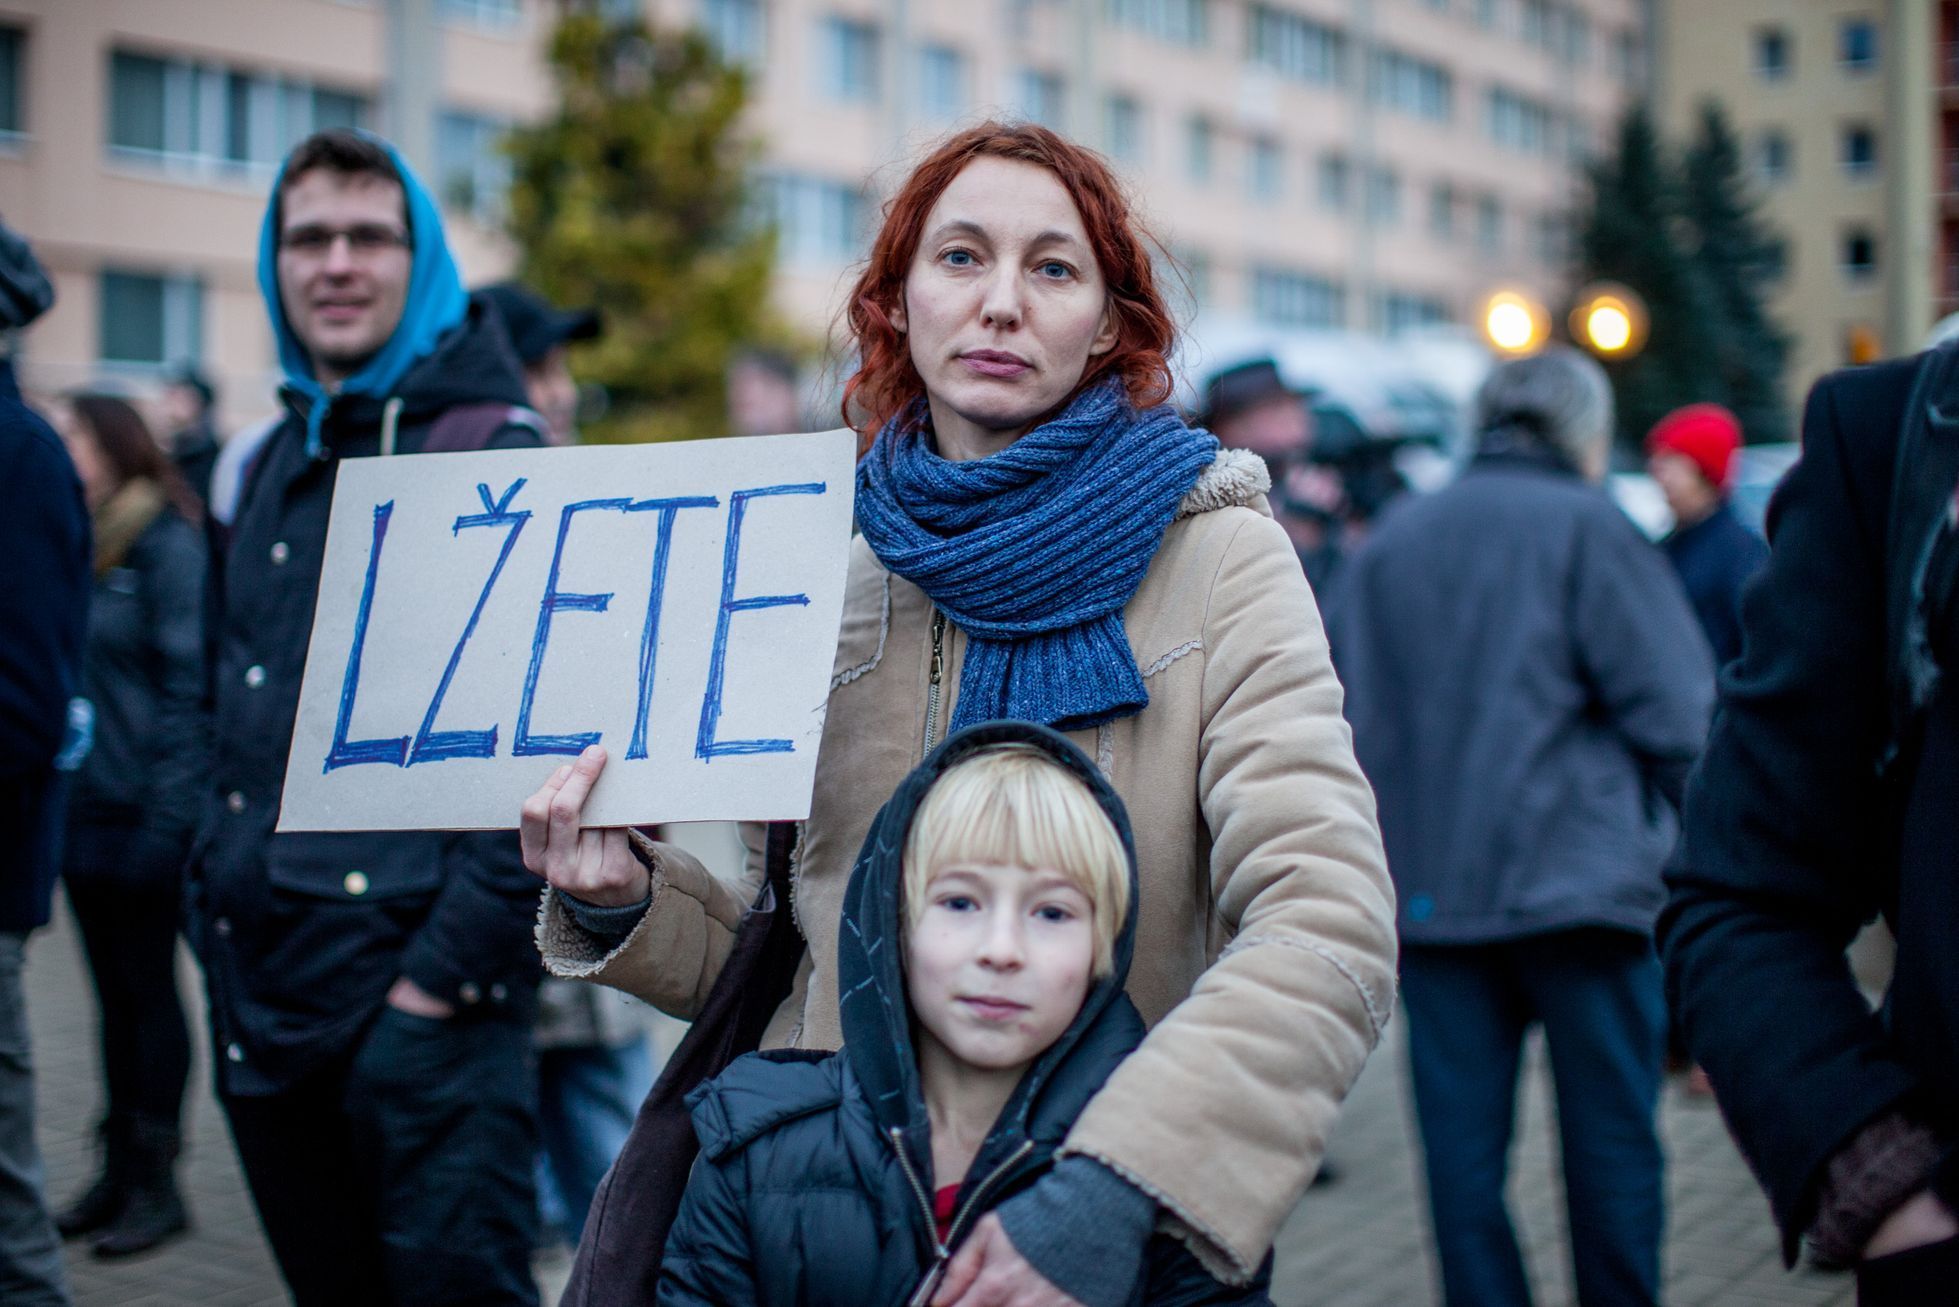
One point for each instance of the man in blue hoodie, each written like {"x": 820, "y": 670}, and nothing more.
{"x": 371, "y": 994}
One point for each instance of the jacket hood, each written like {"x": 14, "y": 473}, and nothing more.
{"x": 472, "y": 363}
{"x": 435, "y": 303}
{"x": 876, "y": 1018}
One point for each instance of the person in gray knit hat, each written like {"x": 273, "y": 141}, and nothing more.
{"x": 44, "y": 536}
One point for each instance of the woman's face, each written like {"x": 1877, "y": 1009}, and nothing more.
{"x": 98, "y": 478}
{"x": 1004, "y": 305}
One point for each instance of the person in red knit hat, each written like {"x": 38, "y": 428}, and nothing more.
{"x": 1691, "y": 453}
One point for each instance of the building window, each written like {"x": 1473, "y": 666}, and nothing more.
{"x": 1520, "y": 123}
{"x": 1489, "y": 224}
{"x": 1549, "y": 235}
{"x": 1775, "y": 158}
{"x": 205, "y": 120}
{"x": 1122, "y": 128}
{"x": 737, "y": 29}
{"x": 1286, "y": 298}
{"x": 1775, "y": 260}
{"x": 1774, "y": 56}
{"x": 11, "y": 117}
{"x": 1296, "y": 47}
{"x": 1041, "y": 97}
{"x": 1577, "y": 38}
{"x": 1200, "y": 149}
{"x": 1384, "y": 197}
{"x": 149, "y": 318}
{"x": 1197, "y": 276}
{"x": 1413, "y": 86}
{"x": 1629, "y": 56}
{"x": 1402, "y": 311}
{"x": 1857, "y": 45}
{"x": 1442, "y": 211}
{"x": 485, "y": 13}
{"x": 473, "y": 173}
{"x": 943, "y": 90}
{"x": 1262, "y": 177}
{"x": 1539, "y": 24}
{"x": 1858, "y": 152}
{"x": 849, "y": 50}
{"x": 819, "y": 220}
{"x": 1185, "y": 22}
{"x": 1335, "y": 183}
{"x": 1859, "y": 255}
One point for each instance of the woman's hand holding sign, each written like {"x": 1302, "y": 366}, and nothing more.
{"x": 596, "y": 865}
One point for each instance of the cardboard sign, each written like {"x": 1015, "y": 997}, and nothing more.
{"x": 484, "y": 617}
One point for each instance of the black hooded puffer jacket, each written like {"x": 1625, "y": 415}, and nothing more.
{"x": 814, "y": 1179}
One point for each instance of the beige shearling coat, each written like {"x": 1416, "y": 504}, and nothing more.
{"x": 1265, "y": 958}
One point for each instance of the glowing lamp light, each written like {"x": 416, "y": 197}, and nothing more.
{"x": 1609, "y": 320}
{"x": 1514, "y": 323}
{"x": 1609, "y": 328}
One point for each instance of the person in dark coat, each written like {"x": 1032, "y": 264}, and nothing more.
{"x": 1827, "y": 797}
{"x": 824, "y": 1178}
{"x": 1249, "y": 406}
{"x": 371, "y": 994}
{"x": 1691, "y": 454}
{"x": 189, "y": 409}
{"x": 1527, "y": 691}
{"x": 133, "y": 811}
{"x": 44, "y": 586}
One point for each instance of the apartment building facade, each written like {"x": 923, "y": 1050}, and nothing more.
{"x": 1370, "y": 164}
{"x": 1848, "y": 113}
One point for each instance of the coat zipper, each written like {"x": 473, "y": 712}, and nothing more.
{"x": 940, "y": 1247}
{"x": 934, "y": 690}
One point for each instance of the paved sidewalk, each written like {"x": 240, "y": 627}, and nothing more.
{"x": 1357, "y": 1243}
{"x": 1362, "y": 1241}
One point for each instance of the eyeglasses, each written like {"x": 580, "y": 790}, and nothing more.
{"x": 366, "y": 241}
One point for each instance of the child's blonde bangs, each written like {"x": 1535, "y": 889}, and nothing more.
{"x": 1012, "y": 805}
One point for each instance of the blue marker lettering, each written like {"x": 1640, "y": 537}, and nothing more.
{"x": 346, "y": 753}
{"x": 706, "y": 746}
{"x": 649, "y": 639}
{"x": 432, "y": 745}
{"x": 525, "y": 744}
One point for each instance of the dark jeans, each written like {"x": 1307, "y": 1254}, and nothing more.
{"x": 406, "y": 1177}
{"x": 1598, "y": 994}
{"x": 31, "y": 1273}
{"x": 588, "y": 1097}
{"x": 129, "y": 932}
{"x": 1916, "y": 1277}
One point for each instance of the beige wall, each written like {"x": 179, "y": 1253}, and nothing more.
{"x": 86, "y": 209}
{"x": 1707, "y": 51}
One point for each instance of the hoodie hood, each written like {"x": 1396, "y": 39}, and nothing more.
{"x": 876, "y": 1018}
{"x": 435, "y": 303}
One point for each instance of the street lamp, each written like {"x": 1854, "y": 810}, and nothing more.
{"x": 1609, "y": 320}
{"x": 1514, "y": 323}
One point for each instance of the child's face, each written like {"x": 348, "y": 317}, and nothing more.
{"x": 999, "y": 962}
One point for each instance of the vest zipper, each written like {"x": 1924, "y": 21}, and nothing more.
{"x": 935, "y": 689}
{"x": 941, "y": 1254}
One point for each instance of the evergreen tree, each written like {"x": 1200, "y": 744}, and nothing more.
{"x": 1632, "y": 230}
{"x": 1738, "y": 260}
{"x": 633, "y": 198}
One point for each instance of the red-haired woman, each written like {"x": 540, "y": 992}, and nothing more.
{"x": 1042, "y": 539}
{"x": 130, "y": 812}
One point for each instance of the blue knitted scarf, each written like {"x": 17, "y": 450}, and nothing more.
{"x": 1035, "y": 550}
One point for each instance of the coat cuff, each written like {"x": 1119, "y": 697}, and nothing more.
{"x": 607, "y": 925}
{"x": 1083, "y": 1227}
{"x": 1884, "y": 1164}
